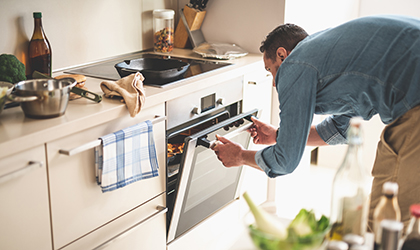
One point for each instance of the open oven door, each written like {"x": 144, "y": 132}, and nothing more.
{"x": 204, "y": 184}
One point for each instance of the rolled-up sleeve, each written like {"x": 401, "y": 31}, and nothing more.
{"x": 333, "y": 129}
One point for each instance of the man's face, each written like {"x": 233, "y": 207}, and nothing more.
{"x": 271, "y": 66}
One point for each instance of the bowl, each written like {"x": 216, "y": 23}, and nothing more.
{"x": 265, "y": 241}
{"x": 5, "y": 90}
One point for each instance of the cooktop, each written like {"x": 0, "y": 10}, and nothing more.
{"x": 107, "y": 71}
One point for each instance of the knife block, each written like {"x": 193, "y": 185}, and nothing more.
{"x": 194, "y": 19}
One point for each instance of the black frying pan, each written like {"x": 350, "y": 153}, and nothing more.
{"x": 155, "y": 70}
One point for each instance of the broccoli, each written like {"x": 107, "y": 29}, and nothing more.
{"x": 11, "y": 69}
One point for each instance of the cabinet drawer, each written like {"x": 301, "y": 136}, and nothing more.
{"x": 24, "y": 210}
{"x": 78, "y": 205}
{"x": 142, "y": 228}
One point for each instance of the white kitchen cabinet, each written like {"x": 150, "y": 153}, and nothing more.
{"x": 24, "y": 209}
{"x": 257, "y": 94}
{"x": 78, "y": 206}
{"x": 140, "y": 228}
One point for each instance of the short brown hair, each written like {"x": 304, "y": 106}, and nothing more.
{"x": 286, "y": 35}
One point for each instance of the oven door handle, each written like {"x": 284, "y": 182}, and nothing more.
{"x": 202, "y": 141}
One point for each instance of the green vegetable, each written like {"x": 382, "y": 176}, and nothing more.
{"x": 11, "y": 69}
{"x": 265, "y": 221}
{"x": 304, "y": 232}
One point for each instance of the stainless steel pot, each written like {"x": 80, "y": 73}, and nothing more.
{"x": 43, "y": 98}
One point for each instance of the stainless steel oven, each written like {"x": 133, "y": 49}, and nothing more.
{"x": 198, "y": 185}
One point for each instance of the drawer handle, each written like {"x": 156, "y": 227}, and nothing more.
{"x": 160, "y": 210}
{"x": 98, "y": 142}
{"x": 20, "y": 172}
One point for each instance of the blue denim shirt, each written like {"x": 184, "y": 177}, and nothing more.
{"x": 364, "y": 67}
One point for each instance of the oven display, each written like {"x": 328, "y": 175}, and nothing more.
{"x": 208, "y": 102}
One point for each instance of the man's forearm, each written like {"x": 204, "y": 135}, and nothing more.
{"x": 248, "y": 157}
{"x": 314, "y": 139}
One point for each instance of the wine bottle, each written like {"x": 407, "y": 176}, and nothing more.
{"x": 351, "y": 189}
{"x": 387, "y": 208}
{"x": 40, "y": 54}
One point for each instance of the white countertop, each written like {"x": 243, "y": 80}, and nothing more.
{"x": 18, "y": 133}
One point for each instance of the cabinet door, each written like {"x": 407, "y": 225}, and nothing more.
{"x": 24, "y": 209}
{"x": 257, "y": 94}
{"x": 142, "y": 228}
{"x": 258, "y": 87}
{"x": 78, "y": 205}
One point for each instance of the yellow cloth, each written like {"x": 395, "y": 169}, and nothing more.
{"x": 130, "y": 88}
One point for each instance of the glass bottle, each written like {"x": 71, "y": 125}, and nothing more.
{"x": 40, "y": 54}
{"x": 387, "y": 208}
{"x": 351, "y": 189}
{"x": 163, "y": 30}
{"x": 412, "y": 238}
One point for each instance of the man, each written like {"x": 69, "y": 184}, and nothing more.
{"x": 364, "y": 67}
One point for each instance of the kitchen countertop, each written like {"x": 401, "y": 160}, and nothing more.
{"x": 18, "y": 133}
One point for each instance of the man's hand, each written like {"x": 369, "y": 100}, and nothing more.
{"x": 228, "y": 152}
{"x": 263, "y": 133}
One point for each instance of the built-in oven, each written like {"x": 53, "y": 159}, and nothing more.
{"x": 198, "y": 185}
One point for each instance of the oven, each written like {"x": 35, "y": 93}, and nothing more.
{"x": 198, "y": 185}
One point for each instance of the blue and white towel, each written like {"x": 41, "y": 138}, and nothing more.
{"x": 126, "y": 156}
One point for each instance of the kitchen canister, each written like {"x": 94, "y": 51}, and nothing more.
{"x": 163, "y": 30}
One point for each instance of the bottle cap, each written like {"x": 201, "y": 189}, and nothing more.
{"x": 356, "y": 121}
{"x": 37, "y": 14}
{"x": 353, "y": 239}
{"x": 359, "y": 247}
{"x": 337, "y": 245}
{"x": 392, "y": 225}
{"x": 415, "y": 210}
{"x": 164, "y": 13}
{"x": 390, "y": 188}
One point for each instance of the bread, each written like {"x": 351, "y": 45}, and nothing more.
{"x": 80, "y": 79}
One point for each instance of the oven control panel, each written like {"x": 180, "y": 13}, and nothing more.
{"x": 190, "y": 106}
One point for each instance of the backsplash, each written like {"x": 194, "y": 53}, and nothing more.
{"x": 80, "y": 31}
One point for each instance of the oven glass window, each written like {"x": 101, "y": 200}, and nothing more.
{"x": 210, "y": 184}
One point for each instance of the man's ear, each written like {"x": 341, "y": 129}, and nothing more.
{"x": 281, "y": 53}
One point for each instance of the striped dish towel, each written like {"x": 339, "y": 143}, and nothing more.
{"x": 126, "y": 156}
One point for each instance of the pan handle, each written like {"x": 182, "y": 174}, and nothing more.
{"x": 87, "y": 94}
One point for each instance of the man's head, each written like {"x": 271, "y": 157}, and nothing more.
{"x": 279, "y": 43}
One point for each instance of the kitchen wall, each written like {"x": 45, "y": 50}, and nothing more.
{"x": 80, "y": 31}
{"x": 242, "y": 22}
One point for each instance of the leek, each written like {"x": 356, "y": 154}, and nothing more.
{"x": 264, "y": 221}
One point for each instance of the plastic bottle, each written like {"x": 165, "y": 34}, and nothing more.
{"x": 387, "y": 208}
{"x": 351, "y": 189}
{"x": 163, "y": 30}
{"x": 412, "y": 238}
{"x": 40, "y": 53}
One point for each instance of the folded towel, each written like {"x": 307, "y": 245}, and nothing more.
{"x": 126, "y": 156}
{"x": 130, "y": 88}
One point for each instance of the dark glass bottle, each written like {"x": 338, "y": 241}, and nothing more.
{"x": 40, "y": 54}
{"x": 412, "y": 239}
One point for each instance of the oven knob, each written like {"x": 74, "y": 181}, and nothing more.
{"x": 220, "y": 101}
{"x": 196, "y": 111}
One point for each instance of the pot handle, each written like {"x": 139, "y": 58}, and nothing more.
{"x": 15, "y": 98}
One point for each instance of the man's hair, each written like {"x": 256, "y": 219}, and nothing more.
{"x": 286, "y": 35}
